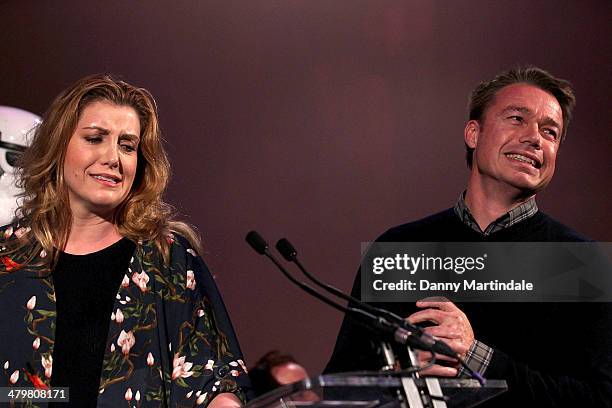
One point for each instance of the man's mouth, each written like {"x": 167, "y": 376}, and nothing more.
{"x": 524, "y": 159}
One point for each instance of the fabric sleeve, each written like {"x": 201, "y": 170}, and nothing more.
{"x": 205, "y": 355}
{"x": 477, "y": 358}
{"x": 589, "y": 342}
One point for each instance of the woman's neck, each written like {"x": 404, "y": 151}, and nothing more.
{"x": 90, "y": 234}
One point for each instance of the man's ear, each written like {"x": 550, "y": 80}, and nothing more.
{"x": 471, "y": 133}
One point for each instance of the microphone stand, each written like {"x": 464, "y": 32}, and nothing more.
{"x": 414, "y": 396}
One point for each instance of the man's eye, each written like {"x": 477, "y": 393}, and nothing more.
{"x": 516, "y": 118}
{"x": 550, "y": 132}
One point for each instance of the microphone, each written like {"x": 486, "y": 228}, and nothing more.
{"x": 391, "y": 330}
{"x": 288, "y": 251}
{"x": 260, "y": 246}
{"x": 257, "y": 242}
{"x": 426, "y": 341}
{"x": 419, "y": 338}
{"x": 382, "y": 326}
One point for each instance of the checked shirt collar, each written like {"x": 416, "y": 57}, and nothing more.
{"x": 520, "y": 213}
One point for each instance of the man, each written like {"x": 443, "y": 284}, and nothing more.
{"x": 551, "y": 354}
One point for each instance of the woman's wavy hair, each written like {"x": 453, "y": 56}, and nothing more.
{"x": 45, "y": 210}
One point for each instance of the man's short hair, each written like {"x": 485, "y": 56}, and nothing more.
{"x": 483, "y": 95}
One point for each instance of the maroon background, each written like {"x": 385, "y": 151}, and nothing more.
{"x": 323, "y": 121}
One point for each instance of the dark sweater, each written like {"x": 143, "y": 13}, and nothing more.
{"x": 85, "y": 290}
{"x": 551, "y": 354}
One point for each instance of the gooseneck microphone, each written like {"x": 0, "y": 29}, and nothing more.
{"x": 420, "y": 339}
{"x": 373, "y": 318}
{"x": 388, "y": 329}
{"x": 424, "y": 341}
{"x": 380, "y": 325}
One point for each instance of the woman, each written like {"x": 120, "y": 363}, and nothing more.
{"x": 95, "y": 241}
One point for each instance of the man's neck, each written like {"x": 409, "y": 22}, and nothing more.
{"x": 89, "y": 234}
{"x": 488, "y": 204}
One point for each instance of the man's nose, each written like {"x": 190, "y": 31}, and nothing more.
{"x": 532, "y": 135}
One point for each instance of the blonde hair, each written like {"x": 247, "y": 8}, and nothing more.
{"x": 45, "y": 210}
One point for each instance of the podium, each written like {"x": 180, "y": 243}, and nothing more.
{"x": 375, "y": 389}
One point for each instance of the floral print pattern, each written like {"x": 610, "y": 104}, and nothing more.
{"x": 170, "y": 341}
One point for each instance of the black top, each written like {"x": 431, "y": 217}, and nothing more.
{"x": 551, "y": 354}
{"x": 85, "y": 290}
{"x": 446, "y": 226}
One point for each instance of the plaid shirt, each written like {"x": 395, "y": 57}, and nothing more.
{"x": 479, "y": 355}
{"x": 528, "y": 209}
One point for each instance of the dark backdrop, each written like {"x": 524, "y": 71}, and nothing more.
{"x": 324, "y": 121}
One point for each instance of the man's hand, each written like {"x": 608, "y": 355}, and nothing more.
{"x": 451, "y": 325}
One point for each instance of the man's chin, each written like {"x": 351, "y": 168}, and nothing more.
{"x": 526, "y": 187}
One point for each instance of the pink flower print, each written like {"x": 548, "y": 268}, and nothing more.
{"x": 192, "y": 252}
{"x": 14, "y": 377}
{"x": 150, "y": 359}
{"x": 125, "y": 282}
{"x": 200, "y": 312}
{"x": 137, "y": 396}
{"x": 181, "y": 368}
{"x": 201, "y": 399}
{"x": 242, "y": 365}
{"x": 21, "y": 231}
{"x": 47, "y": 363}
{"x": 126, "y": 341}
{"x": 191, "y": 283}
{"x": 128, "y": 394}
{"x": 209, "y": 365}
{"x": 141, "y": 279}
{"x": 6, "y": 365}
{"x": 119, "y": 316}
{"x": 189, "y": 394}
{"x": 31, "y": 303}
{"x": 36, "y": 343}
{"x": 235, "y": 373}
{"x": 8, "y": 232}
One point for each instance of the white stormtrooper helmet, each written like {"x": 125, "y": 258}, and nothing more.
{"x": 15, "y": 126}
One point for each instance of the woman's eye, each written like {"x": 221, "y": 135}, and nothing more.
{"x": 93, "y": 139}
{"x": 128, "y": 148}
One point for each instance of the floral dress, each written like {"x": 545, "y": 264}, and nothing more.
{"x": 170, "y": 340}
